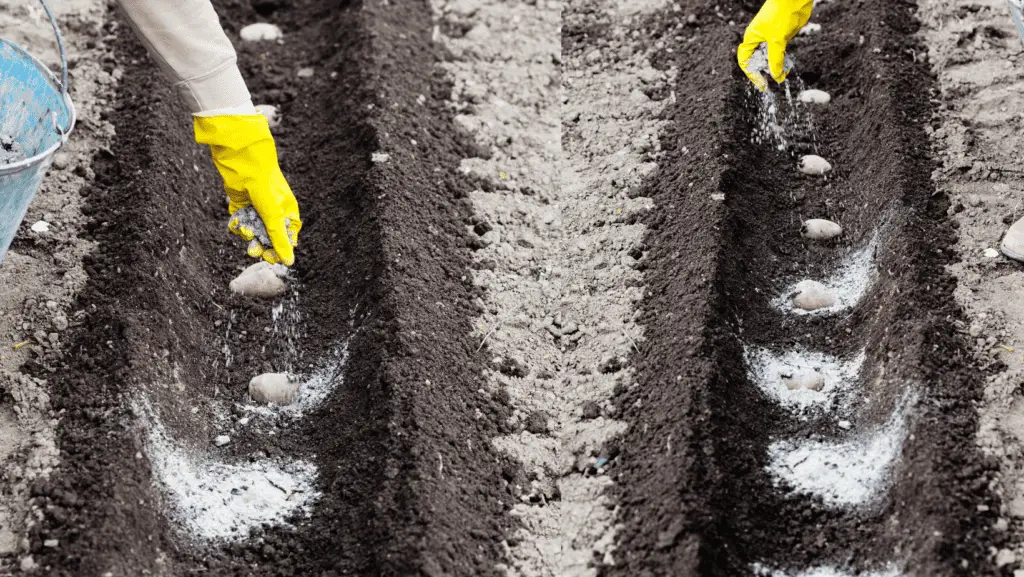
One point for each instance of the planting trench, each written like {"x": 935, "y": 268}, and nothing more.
{"x": 539, "y": 312}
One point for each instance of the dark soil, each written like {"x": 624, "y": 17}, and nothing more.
{"x": 382, "y": 266}
{"x": 708, "y": 507}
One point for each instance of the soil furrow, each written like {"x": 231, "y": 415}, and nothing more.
{"x": 400, "y": 443}
{"x": 730, "y": 512}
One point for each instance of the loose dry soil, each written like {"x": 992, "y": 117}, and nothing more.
{"x": 541, "y": 309}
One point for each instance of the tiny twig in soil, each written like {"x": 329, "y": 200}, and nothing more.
{"x": 631, "y": 341}
{"x": 485, "y": 338}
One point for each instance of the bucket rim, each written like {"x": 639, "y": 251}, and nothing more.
{"x": 72, "y": 117}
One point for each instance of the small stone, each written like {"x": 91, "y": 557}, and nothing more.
{"x": 844, "y": 425}
{"x": 272, "y": 113}
{"x": 277, "y": 388}
{"x": 221, "y": 440}
{"x": 262, "y": 279}
{"x": 820, "y": 229}
{"x": 975, "y": 329}
{"x": 51, "y": 543}
{"x": 380, "y": 157}
{"x": 61, "y": 160}
{"x": 593, "y": 56}
{"x": 570, "y": 328}
{"x": 812, "y": 295}
{"x": 814, "y": 97}
{"x": 991, "y": 253}
{"x": 537, "y": 423}
{"x": 41, "y": 227}
{"x": 1005, "y": 557}
{"x": 1001, "y": 525}
{"x": 28, "y": 563}
{"x": 814, "y": 164}
{"x": 305, "y": 72}
{"x": 260, "y": 31}
{"x": 60, "y": 323}
{"x": 811, "y": 380}
{"x": 591, "y": 410}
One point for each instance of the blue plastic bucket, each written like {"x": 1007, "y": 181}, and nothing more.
{"x": 37, "y": 113}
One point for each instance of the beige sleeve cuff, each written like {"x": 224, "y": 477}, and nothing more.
{"x": 187, "y": 42}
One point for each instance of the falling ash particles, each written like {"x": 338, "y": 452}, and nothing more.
{"x": 216, "y": 500}
{"x": 10, "y": 150}
{"x": 814, "y": 165}
{"x": 841, "y": 473}
{"x": 842, "y": 291}
{"x": 262, "y": 280}
{"x": 774, "y": 372}
{"x": 276, "y": 388}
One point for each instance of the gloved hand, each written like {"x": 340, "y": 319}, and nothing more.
{"x": 775, "y": 24}
{"x": 244, "y": 154}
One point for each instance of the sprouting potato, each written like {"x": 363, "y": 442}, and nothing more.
{"x": 811, "y": 380}
{"x": 277, "y": 388}
{"x": 260, "y": 31}
{"x": 814, "y": 164}
{"x": 820, "y": 229}
{"x": 814, "y": 96}
{"x": 261, "y": 279}
{"x": 812, "y": 295}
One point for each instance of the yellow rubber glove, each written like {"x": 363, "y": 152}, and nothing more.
{"x": 775, "y": 24}
{"x": 244, "y": 154}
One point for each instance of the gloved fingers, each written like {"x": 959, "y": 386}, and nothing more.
{"x": 281, "y": 241}
{"x": 744, "y": 54}
{"x": 271, "y": 257}
{"x": 294, "y": 225}
{"x": 255, "y": 249}
{"x": 237, "y": 227}
{"x": 777, "y": 60}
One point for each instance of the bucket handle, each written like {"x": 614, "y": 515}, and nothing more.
{"x": 63, "y": 71}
